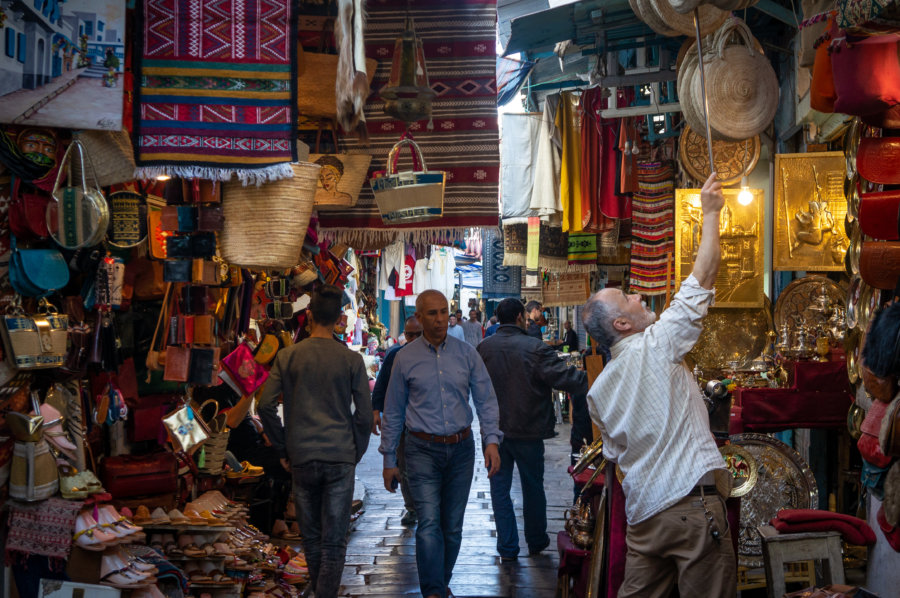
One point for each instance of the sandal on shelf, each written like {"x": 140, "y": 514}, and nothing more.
{"x": 189, "y": 547}
{"x": 142, "y": 516}
{"x": 219, "y": 577}
{"x": 197, "y": 576}
{"x": 159, "y": 517}
{"x": 223, "y": 549}
{"x": 171, "y": 547}
{"x": 178, "y": 518}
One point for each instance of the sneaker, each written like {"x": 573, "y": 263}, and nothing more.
{"x": 409, "y": 518}
{"x": 509, "y": 559}
{"x": 533, "y": 550}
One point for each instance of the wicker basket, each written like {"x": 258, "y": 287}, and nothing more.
{"x": 265, "y": 226}
{"x": 217, "y": 443}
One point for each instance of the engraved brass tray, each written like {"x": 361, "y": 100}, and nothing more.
{"x": 797, "y": 298}
{"x": 853, "y": 295}
{"x": 852, "y": 348}
{"x": 734, "y": 159}
{"x": 784, "y": 481}
{"x": 732, "y": 335}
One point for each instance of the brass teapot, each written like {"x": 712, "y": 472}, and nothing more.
{"x": 580, "y": 524}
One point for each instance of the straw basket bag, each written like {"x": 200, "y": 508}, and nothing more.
{"x": 662, "y": 18}
{"x": 687, "y": 6}
{"x": 265, "y": 225}
{"x": 691, "y": 108}
{"x": 217, "y": 443}
{"x": 741, "y": 85}
{"x": 111, "y": 153}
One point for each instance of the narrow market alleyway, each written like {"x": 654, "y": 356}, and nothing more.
{"x": 381, "y": 553}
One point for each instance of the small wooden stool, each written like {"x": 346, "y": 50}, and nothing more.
{"x": 779, "y": 549}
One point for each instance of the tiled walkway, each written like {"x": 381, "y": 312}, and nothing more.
{"x": 381, "y": 553}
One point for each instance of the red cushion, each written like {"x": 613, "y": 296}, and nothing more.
{"x": 860, "y": 536}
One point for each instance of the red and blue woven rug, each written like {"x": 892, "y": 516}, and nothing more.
{"x": 215, "y": 93}
{"x": 459, "y": 40}
{"x": 653, "y": 228}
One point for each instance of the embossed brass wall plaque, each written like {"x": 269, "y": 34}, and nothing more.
{"x": 740, "y": 280}
{"x": 810, "y": 208}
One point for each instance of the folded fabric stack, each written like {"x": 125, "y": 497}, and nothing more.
{"x": 852, "y": 529}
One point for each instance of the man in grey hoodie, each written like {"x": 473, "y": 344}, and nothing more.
{"x": 319, "y": 379}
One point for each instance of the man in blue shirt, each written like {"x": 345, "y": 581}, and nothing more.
{"x": 411, "y": 330}
{"x": 431, "y": 381}
{"x": 455, "y": 329}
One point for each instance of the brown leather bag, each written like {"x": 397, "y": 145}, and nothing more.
{"x": 879, "y": 264}
{"x": 178, "y": 363}
{"x": 877, "y": 159}
{"x": 148, "y": 279}
{"x": 129, "y": 475}
{"x": 879, "y": 214}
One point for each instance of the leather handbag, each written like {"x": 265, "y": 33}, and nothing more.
{"x": 241, "y": 371}
{"x": 129, "y": 475}
{"x": 177, "y": 270}
{"x": 187, "y": 432}
{"x": 879, "y": 214}
{"x": 148, "y": 279}
{"x": 182, "y": 219}
{"x": 877, "y": 159}
{"x": 28, "y": 211}
{"x": 204, "y": 365}
{"x": 204, "y": 330}
{"x": 127, "y": 220}
{"x": 822, "y": 93}
{"x": 866, "y": 75}
{"x": 211, "y": 219}
{"x": 36, "y": 272}
{"x": 194, "y": 299}
{"x": 206, "y": 272}
{"x": 36, "y": 341}
{"x": 879, "y": 264}
{"x": 178, "y": 246}
{"x": 145, "y": 422}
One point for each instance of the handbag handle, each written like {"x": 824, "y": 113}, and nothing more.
{"x": 733, "y": 25}
{"x": 66, "y": 165}
{"x": 162, "y": 315}
{"x": 394, "y": 155}
{"x": 203, "y": 405}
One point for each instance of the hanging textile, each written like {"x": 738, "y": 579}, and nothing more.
{"x": 519, "y": 160}
{"x": 532, "y": 272}
{"x": 215, "y": 88}
{"x": 582, "y": 253}
{"x": 511, "y": 73}
{"x": 568, "y": 121}
{"x": 545, "y": 192}
{"x": 462, "y": 139}
{"x": 598, "y": 166}
{"x": 653, "y": 227}
{"x": 515, "y": 248}
{"x": 43, "y": 528}
{"x": 498, "y": 281}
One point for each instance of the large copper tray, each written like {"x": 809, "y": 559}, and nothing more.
{"x": 732, "y": 335}
{"x": 784, "y": 481}
{"x": 795, "y": 301}
{"x": 734, "y": 159}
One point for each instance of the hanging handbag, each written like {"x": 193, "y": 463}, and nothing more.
{"x": 112, "y": 153}
{"x": 822, "y": 94}
{"x": 410, "y": 196}
{"x": 211, "y": 219}
{"x": 178, "y": 363}
{"x": 206, "y": 272}
{"x": 241, "y": 371}
{"x": 148, "y": 279}
{"x": 127, "y": 220}
{"x": 33, "y": 474}
{"x": 187, "y": 432}
{"x": 109, "y": 284}
{"x": 77, "y": 216}
{"x": 879, "y": 263}
{"x": 204, "y": 366}
{"x": 35, "y": 341}
{"x": 341, "y": 177}
{"x": 866, "y": 75}
{"x": 153, "y": 355}
{"x": 36, "y": 272}
{"x": 28, "y": 211}
{"x": 877, "y": 158}
{"x": 177, "y": 270}
{"x": 879, "y": 214}
{"x": 131, "y": 475}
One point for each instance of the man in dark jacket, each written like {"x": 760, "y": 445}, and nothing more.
{"x": 524, "y": 372}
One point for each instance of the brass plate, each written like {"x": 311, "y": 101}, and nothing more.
{"x": 795, "y": 300}
{"x": 868, "y": 305}
{"x": 743, "y": 468}
{"x": 851, "y": 348}
{"x": 851, "y": 145}
{"x": 853, "y": 296}
{"x": 740, "y": 279}
{"x": 809, "y": 207}
{"x": 851, "y": 192}
{"x": 855, "y": 417}
{"x": 731, "y": 335}
{"x": 784, "y": 481}
{"x": 734, "y": 159}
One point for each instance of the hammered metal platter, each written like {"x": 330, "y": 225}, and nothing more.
{"x": 733, "y": 159}
{"x": 784, "y": 481}
{"x": 794, "y": 302}
{"x": 731, "y": 335}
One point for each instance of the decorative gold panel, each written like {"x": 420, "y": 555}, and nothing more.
{"x": 810, "y": 208}
{"x": 740, "y": 280}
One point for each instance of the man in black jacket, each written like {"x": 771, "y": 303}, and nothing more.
{"x": 524, "y": 372}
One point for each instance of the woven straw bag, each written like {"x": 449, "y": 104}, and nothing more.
{"x": 691, "y": 110}
{"x": 265, "y": 225}
{"x": 341, "y": 179}
{"x": 111, "y": 153}
{"x": 217, "y": 443}
{"x": 741, "y": 85}
{"x": 711, "y": 17}
{"x": 646, "y": 14}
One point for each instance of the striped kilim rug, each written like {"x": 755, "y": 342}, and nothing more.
{"x": 652, "y": 227}
{"x": 460, "y": 55}
{"x": 215, "y": 93}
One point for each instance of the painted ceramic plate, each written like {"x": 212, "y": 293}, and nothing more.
{"x": 743, "y": 468}
{"x": 784, "y": 481}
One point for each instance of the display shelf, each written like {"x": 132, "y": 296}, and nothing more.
{"x": 213, "y": 529}
{"x": 181, "y": 559}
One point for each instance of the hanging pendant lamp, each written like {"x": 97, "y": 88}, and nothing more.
{"x": 407, "y": 95}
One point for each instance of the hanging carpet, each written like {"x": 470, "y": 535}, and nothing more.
{"x": 498, "y": 281}
{"x": 652, "y": 227}
{"x": 215, "y": 93}
{"x": 460, "y": 55}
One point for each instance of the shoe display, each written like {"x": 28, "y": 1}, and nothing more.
{"x": 176, "y": 517}
{"x": 159, "y": 517}
{"x": 54, "y": 433}
{"x": 247, "y": 471}
{"x": 90, "y": 536}
{"x": 118, "y": 524}
{"x": 112, "y": 573}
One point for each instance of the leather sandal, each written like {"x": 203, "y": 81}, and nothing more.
{"x": 189, "y": 548}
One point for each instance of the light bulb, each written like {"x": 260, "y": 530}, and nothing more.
{"x": 745, "y": 197}
{"x": 163, "y": 177}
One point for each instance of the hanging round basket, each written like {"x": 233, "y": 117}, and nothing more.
{"x": 711, "y": 17}
{"x": 265, "y": 226}
{"x": 645, "y": 13}
{"x": 691, "y": 111}
{"x": 741, "y": 85}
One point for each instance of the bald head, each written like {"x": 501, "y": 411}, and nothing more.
{"x": 610, "y": 315}
{"x": 412, "y": 326}
{"x": 433, "y": 313}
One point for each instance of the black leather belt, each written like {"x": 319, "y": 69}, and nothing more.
{"x": 700, "y": 490}
{"x": 452, "y": 439}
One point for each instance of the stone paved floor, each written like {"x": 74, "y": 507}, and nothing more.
{"x": 381, "y": 553}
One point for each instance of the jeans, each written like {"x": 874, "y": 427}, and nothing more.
{"x": 323, "y": 493}
{"x": 440, "y": 476}
{"x": 528, "y": 455}
{"x": 404, "y": 476}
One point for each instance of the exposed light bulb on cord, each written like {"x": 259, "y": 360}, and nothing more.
{"x": 745, "y": 197}
{"x": 163, "y": 177}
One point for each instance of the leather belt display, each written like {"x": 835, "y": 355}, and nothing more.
{"x": 452, "y": 439}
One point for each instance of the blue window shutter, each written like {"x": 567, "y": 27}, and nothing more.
{"x": 10, "y": 43}
{"x": 23, "y": 47}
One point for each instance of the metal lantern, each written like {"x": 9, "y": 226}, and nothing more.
{"x": 407, "y": 95}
